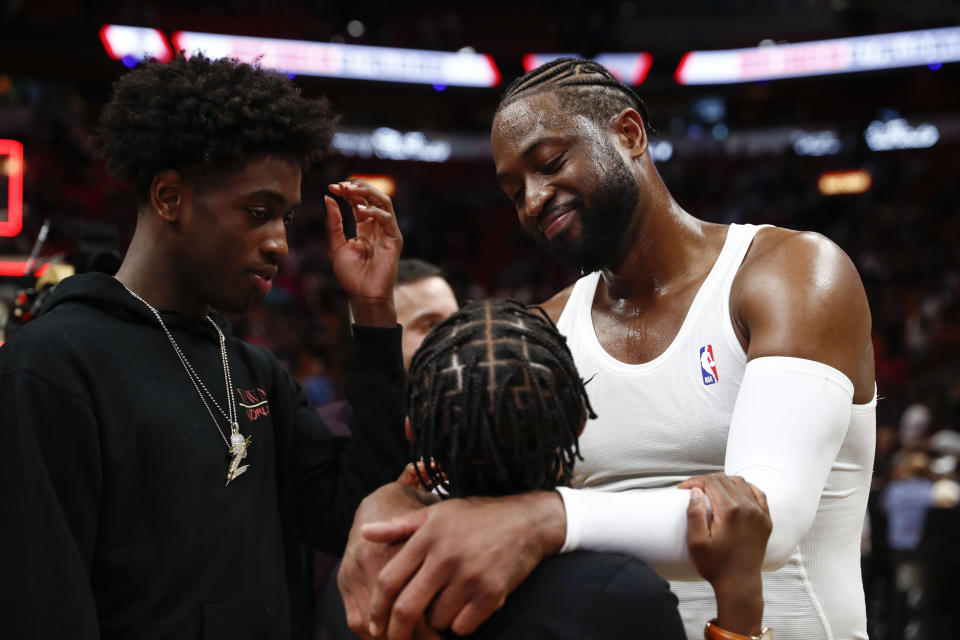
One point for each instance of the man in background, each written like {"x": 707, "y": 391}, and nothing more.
{"x": 423, "y": 298}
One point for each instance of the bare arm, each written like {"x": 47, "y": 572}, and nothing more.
{"x": 799, "y": 295}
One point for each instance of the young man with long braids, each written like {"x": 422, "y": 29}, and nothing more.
{"x": 709, "y": 347}
{"x": 157, "y": 472}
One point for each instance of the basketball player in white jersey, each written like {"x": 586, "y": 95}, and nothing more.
{"x": 708, "y": 347}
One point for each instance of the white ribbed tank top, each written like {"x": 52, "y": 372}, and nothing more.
{"x": 665, "y": 420}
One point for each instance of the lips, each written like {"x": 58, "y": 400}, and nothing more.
{"x": 262, "y": 279}
{"x": 557, "y": 219}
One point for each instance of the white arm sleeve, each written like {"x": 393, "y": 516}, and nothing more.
{"x": 790, "y": 418}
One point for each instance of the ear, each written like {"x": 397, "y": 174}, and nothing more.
{"x": 628, "y": 127}
{"x": 166, "y": 194}
{"x": 408, "y": 430}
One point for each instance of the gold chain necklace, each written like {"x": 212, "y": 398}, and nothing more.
{"x": 237, "y": 445}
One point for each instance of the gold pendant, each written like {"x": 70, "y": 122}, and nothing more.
{"x": 238, "y": 449}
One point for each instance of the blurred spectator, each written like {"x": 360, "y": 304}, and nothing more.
{"x": 905, "y": 501}
{"x": 939, "y": 551}
{"x": 914, "y": 424}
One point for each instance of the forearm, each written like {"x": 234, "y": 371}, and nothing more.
{"x": 787, "y": 427}
{"x": 788, "y": 424}
{"x": 648, "y": 523}
{"x": 334, "y": 474}
{"x": 375, "y": 391}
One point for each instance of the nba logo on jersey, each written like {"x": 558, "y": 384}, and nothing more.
{"x": 708, "y": 367}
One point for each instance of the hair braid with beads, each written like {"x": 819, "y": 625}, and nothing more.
{"x": 583, "y": 86}
{"x": 496, "y": 402}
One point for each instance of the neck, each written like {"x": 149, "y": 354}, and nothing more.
{"x": 663, "y": 248}
{"x": 151, "y": 271}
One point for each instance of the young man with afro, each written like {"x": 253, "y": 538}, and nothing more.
{"x": 157, "y": 473}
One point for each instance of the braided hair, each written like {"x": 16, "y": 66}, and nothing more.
{"x": 583, "y": 86}
{"x": 496, "y": 402}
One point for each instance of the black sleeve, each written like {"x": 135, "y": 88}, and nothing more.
{"x": 334, "y": 473}
{"x": 50, "y": 489}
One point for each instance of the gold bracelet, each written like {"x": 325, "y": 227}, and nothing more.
{"x": 714, "y": 632}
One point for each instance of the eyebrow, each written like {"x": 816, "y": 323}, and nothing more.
{"x": 274, "y": 196}
{"x": 424, "y": 314}
{"x": 528, "y": 150}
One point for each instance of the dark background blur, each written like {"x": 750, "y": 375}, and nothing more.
{"x": 729, "y": 164}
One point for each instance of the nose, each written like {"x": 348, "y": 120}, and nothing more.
{"x": 538, "y": 194}
{"x": 274, "y": 246}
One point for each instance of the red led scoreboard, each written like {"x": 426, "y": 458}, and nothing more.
{"x": 11, "y": 187}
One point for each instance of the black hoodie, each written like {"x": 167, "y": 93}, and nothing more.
{"x": 117, "y": 522}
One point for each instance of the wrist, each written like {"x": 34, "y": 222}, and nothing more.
{"x": 544, "y": 510}
{"x": 713, "y": 631}
{"x": 740, "y": 605}
{"x": 373, "y": 312}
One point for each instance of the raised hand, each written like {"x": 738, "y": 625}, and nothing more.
{"x": 365, "y": 265}
{"x": 727, "y": 549}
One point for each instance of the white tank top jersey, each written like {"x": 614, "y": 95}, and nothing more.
{"x": 663, "y": 421}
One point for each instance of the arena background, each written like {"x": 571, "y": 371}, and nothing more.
{"x": 757, "y": 151}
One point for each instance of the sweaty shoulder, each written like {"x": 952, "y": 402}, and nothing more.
{"x": 554, "y": 306}
{"x": 798, "y": 294}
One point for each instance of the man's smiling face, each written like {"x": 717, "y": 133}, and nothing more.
{"x": 572, "y": 190}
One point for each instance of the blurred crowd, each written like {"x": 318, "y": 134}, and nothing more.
{"x": 902, "y": 235}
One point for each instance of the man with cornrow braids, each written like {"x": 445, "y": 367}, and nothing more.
{"x": 709, "y": 347}
{"x": 495, "y": 408}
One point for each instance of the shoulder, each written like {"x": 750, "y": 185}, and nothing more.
{"x": 588, "y": 595}
{"x": 804, "y": 257}
{"x": 802, "y": 266}
{"x": 799, "y": 294}
{"x": 634, "y": 594}
{"x": 555, "y": 305}
{"x": 55, "y": 351}
{"x": 617, "y": 580}
{"x": 55, "y": 335}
